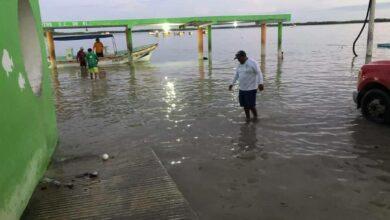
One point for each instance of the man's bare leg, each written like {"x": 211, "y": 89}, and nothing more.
{"x": 254, "y": 112}
{"x": 247, "y": 114}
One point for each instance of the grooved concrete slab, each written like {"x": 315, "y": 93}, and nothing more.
{"x": 133, "y": 185}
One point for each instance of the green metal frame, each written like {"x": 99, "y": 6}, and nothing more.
{"x": 179, "y": 21}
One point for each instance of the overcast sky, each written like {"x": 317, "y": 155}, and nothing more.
{"x": 302, "y": 10}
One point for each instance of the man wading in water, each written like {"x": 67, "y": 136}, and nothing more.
{"x": 250, "y": 79}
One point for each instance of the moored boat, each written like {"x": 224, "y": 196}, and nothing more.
{"x": 140, "y": 54}
{"x": 385, "y": 45}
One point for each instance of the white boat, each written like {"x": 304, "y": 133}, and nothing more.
{"x": 140, "y": 54}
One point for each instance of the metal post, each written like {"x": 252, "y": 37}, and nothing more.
{"x": 210, "y": 39}
{"x": 263, "y": 39}
{"x": 51, "y": 47}
{"x": 280, "y": 39}
{"x": 129, "y": 41}
{"x": 370, "y": 37}
{"x": 200, "y": 43}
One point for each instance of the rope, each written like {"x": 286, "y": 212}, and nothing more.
{"x": 361, "y": 31}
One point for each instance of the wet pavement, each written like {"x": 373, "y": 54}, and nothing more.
{"x": 310, "y": 156}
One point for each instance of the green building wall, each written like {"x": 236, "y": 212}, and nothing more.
{"x": 28, "y": 130}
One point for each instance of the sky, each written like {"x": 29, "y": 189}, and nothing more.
{"x": 301, "y": 10}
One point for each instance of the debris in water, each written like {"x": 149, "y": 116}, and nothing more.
{"x": 93, "y": 174}
{"x": 51, "y": 181}
{"x": 105, "y": 157}
{"x": 69, "y": 185}
{"x": 247, "y": 155}
{"x": 283, "y": 204}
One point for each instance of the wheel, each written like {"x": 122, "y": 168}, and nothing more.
{"x": 376, "y": 106}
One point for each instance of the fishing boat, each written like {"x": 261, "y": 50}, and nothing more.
{"x": 139, "y": 54}
{"x": 386, "y": 45}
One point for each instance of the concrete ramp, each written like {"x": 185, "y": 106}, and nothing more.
{"x": 132, "y": 185}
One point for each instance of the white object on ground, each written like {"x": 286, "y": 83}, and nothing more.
{"x": 105, "y": 156}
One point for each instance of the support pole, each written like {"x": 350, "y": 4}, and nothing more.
{"x": 280, "y": 39}
{"x": 129, "y": 42}
{"x": 370, "y": 37}
{"x": 210, "y": 39}
{"x": 200, "y": 43}
{"x": 263, "y": 39}
{"x": 51, "y": 47}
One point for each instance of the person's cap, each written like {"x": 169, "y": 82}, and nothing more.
{"x": 240, "y": 53}
{"x": 81, "y": 48}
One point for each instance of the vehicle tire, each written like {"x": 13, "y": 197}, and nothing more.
{"x": 376, "y": 106}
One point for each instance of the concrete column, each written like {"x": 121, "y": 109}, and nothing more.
{"x": 210, "y": 39}
{"x": 51, "y": 47}
{"x": 280, "y": 39}
{"x": 129, "y": 42}
{"x": 200, "y": 43}
{"x": 263, "y": 39}
{"x": 370, "y": 36}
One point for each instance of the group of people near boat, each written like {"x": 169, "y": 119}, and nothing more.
{"x": 91, "y": 58}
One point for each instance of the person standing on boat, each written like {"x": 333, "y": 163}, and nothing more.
{"x": 98, "y": 47}
{"x": 92, "y": 61}
{"x": 81, "y": 57}
{"x": 250, "y": 80}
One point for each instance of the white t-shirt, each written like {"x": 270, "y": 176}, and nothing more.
{"x": 248, "y": 75}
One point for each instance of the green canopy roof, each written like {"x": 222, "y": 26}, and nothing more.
{"x": 185, "y": 21}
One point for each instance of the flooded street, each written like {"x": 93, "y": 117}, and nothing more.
{"x": 310, "y": 156}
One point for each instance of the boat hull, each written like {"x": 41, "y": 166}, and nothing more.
{"x": 384, "y": 46}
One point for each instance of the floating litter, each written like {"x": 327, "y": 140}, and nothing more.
{"x": 105, "y": 157}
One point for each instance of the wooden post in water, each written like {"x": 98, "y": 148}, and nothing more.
{"x": 280, "y": 39}
{"x": 263, "y": 39}
{"x": 370, "y": 36}
{"x": 129, "y": 42}
{"x": 51, "y": 47}
{"x": 210, "y": 40}
{"x": 200, "y": 43}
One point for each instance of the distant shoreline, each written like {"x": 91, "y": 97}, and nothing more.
{"x": 378, "y": 20}
{"x": 310, "y": 23}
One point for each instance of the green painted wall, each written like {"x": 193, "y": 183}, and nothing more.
{"x": 28, "y": 130}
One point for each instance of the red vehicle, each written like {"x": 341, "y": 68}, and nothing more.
{"x": 373, "y": 91}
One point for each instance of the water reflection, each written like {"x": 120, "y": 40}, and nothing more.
{"x": 170, "y": 96}
{"x": 83, "y": 72}
{"x": 247, "y": 141}
{"x": 353, "y": 64}
{"x": 57, "y": 90}
{"x": 132, "y": 83}
{"x": 278, "y": 76}
{"x": 201, "y": 69}
{"x": 374, "y": 146}
{"x": 263, "y": 64}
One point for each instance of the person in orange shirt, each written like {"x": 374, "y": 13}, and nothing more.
{"x": 98, "y": 48}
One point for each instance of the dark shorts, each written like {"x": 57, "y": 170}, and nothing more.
{"x": 247, "y": 98}
{"x": 99, "y": 54}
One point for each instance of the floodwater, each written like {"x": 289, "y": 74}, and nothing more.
{"x": 310, "y": 156}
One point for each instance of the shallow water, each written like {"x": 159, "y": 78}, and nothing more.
{"x": 311, "y": 155}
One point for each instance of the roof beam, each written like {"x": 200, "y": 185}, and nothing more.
{"x": 155, "y": 21}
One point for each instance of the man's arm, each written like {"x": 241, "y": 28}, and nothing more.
{"x": 234, "y": 81}
{"x": 259, "y": 76}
